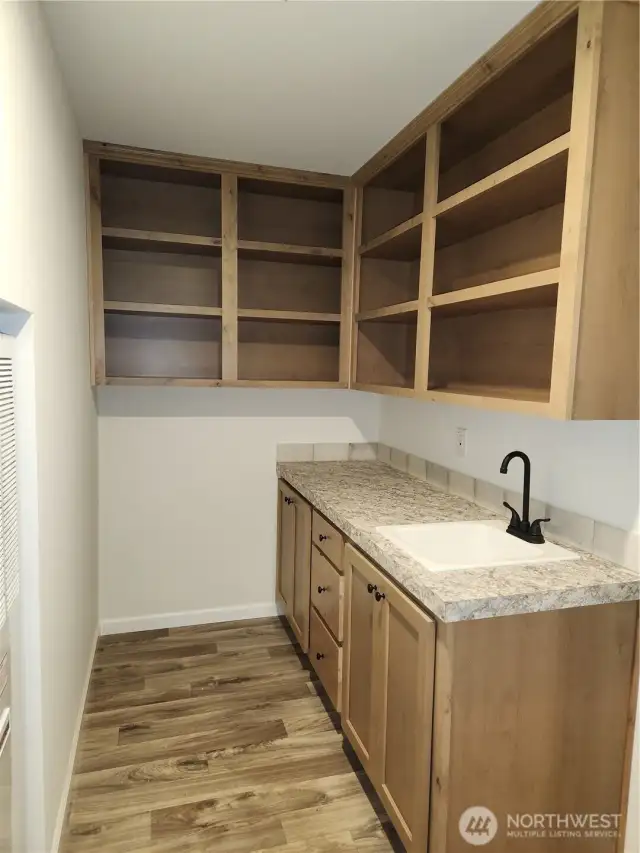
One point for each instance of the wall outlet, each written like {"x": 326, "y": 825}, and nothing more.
{"x": 461, "y": 441}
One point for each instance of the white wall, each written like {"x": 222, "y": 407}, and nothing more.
{"x": 588, "y": 467}
{"x": 44, "y": 273}
{"x": 188, "y": 495}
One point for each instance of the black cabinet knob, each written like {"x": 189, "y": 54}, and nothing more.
{"x": 322, "y": 537}
{"x": 380, "y": 595}
{"x": 319, "y": 656}
{"x": 322, "y": 589}
{"x": 371, "y": 587}
{"x": 288, "y": 500}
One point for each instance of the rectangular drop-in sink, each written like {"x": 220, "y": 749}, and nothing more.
{"x": 443, "y": 546}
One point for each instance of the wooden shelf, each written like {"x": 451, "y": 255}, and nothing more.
{"x": 393, "y": 390}
{"x": 259, "y": 250}
{"x": 532, "y": 183}
{"x": 163, "y": 380}
{"x": 395, "y": 195}
{"x": 533, "y": 401}
{"x": 391, "y": 313}
{"x": 288, "y": 316}
{"x": 401, "y": 243}
{"x": 524, "y": 291}
{"x": 159, "y": 241}
{"x": 219, "y": 383}
{"x": 157, "y": 308}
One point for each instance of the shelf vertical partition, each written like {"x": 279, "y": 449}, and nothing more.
{"x": 229, "y": 198}
{"x": 427, "y": 257}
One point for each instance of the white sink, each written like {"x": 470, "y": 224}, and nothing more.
{"x": 443, "y": 546}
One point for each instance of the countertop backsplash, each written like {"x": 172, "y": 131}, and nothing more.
{"x": 614, "y": 544}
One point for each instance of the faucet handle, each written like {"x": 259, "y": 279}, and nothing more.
{"x": 515, "y": 517}
{"x": 534, "y": 527}
{"x": 535, "y": 534}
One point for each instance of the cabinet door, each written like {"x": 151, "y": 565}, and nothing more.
{"x": 286, "y": 546}
{"x": 301, "y": 601}
{"x": 360, "y": 652}
{"x": 403, "y": 714}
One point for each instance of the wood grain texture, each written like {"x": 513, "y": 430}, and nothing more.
{"x": 246, "y": 760}
{"x": 229, "y": 277}
{"x": 576, "y": 208}
{"x": 607, "y": 370}
{"x": 167, "y": 159}
{"x": 518, "y": 700}
{"x": 94, "y": 269}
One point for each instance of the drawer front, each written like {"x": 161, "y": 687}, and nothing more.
{"x": 327, "y": 592}
{"x": 326, "y": 657}
{"x": 329, "y": 539}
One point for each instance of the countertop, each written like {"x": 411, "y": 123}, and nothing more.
{"x": 358, "y": 497}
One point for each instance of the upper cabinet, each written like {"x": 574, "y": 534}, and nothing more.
{"x": 202, "y": 276}
{"x": 487, "y": 255}
{"x": 497, "y": 260}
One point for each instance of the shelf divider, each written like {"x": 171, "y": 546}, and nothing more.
{"x": 292, "y": 252}
{"x": 388, "y": 311}
{"x": 536, "y": 158}
{"x": 399, "y": 243}
{"x": 289, "y": 316}
{"x": 162, "y": 308}
{"x": 153, "y": 239}
{"x": 504, "y": 287}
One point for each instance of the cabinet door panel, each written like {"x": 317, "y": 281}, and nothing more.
{"x": 360, "y": 656}
{"x": 299, "y": 617}
{"x": 286, "y": 546}
{"x": 404, "y": 709}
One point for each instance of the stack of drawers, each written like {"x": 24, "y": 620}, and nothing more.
{"x": 327, "y": 606}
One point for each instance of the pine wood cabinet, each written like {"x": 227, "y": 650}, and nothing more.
{"x": 497, "y": 235}
{"x": 529, "y": 714}
{"x": 388, "y": 687}
{"x": 293, "y": 563}
{"x": 487, "y": 255}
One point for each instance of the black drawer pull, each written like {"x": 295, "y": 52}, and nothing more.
{"x": 288, "y": 500}
{"x": 371, "y": 587}
{"x": 322, "y": 537}
{"x": 380, "y": 596}
{"x": 322, "y": 589}
{"x": 319, "y": 656}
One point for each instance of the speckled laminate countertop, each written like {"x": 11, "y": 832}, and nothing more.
{"x": 360, "y": 496}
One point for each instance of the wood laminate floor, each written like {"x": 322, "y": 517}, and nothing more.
{"x": 214, "y": 738}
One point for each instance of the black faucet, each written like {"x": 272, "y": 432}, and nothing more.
{"x": 521, "y": 527}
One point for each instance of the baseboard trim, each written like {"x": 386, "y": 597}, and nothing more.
{"x": 188, "y": 617}
{"x": 64, "y": 801}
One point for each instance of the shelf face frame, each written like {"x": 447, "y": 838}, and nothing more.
{"x": 160, "y": 241}
{"x": 289, "y": 253}
{"x": 401, "y": 243}
{"x": 157, "y": 309}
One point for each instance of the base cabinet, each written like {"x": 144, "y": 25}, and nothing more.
{"x": 388, "y": 682}
{"x": 524, "y": 715}
{"x": 294, "y": 561}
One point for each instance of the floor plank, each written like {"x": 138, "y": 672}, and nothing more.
{"x": 214, "y": 738}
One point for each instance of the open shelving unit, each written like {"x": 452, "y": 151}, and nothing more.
{"x": 289, "y": 282}
{"x": 161, "y": 267}
{"x": 486, "y": 255}
{"x": 497, "y": 223}
{"x": 388, "y": 274}
{"x": 214, "y": 278}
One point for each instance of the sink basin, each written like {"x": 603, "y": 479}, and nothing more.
{"x": 444, "y": 546}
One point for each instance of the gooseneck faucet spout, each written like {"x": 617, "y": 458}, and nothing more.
{"x": 521, "y": 527}
{"x": 527, "y": 478}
